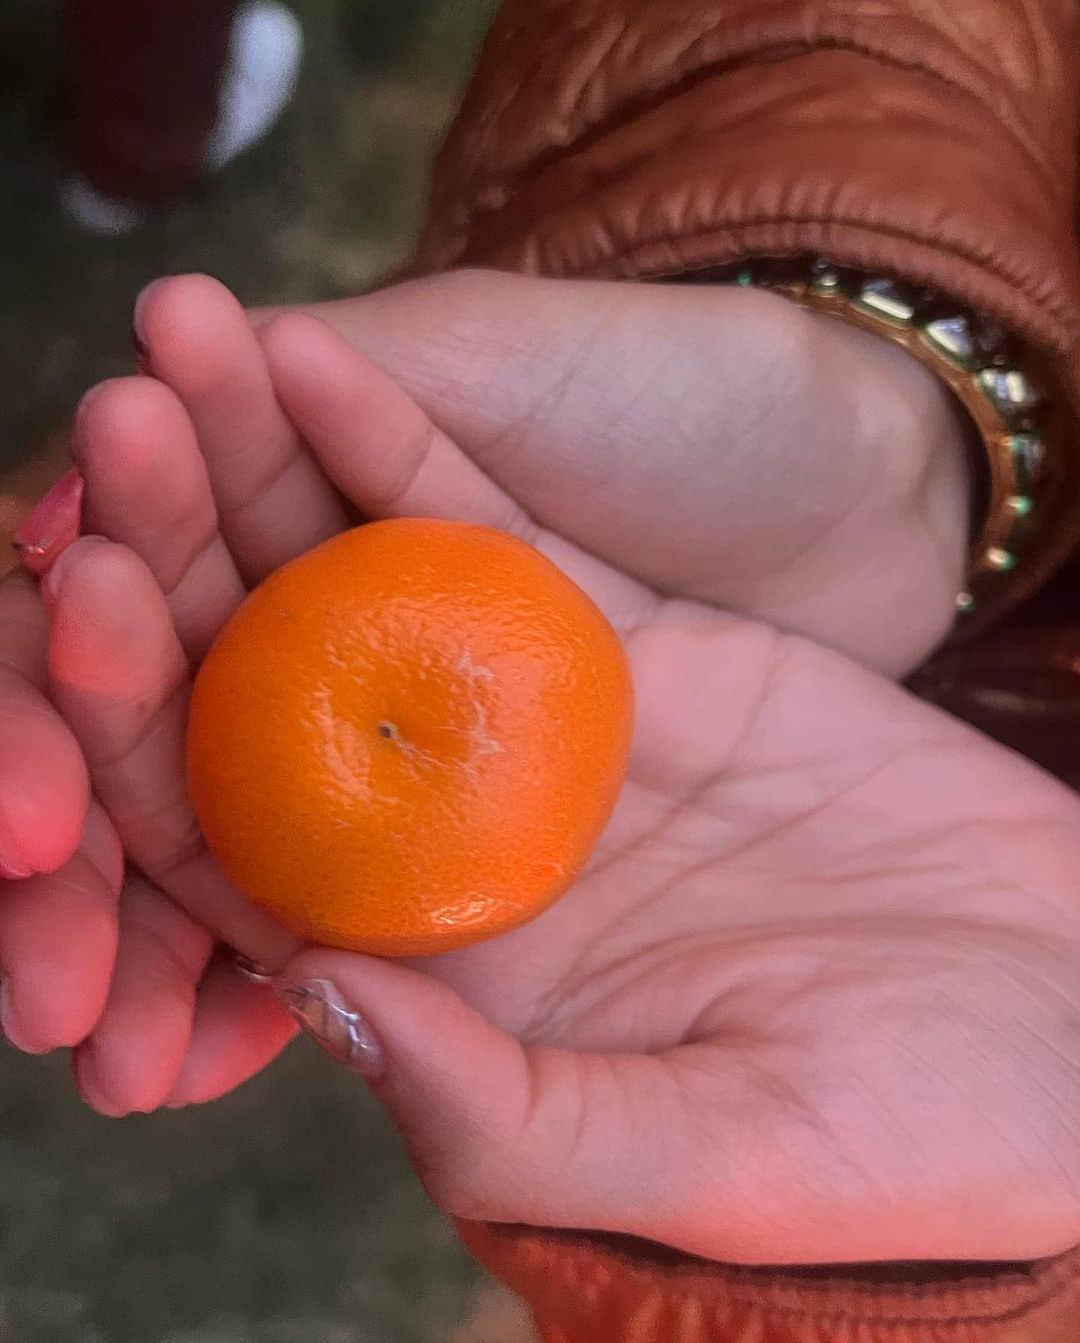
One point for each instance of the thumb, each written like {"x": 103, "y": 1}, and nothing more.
{"x": 501, "y": 1131}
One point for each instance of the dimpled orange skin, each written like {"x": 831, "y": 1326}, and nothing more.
{"x": 410, "y": 738}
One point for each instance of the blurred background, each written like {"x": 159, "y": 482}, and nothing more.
{"x": 286, "y": 1213}
{"x": 330, "y": 198}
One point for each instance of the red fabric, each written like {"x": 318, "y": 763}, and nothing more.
{"x": 144, "y": 78}
{"x": 597, "y": 1289}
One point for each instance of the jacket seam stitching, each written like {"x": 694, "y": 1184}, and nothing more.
{"x": 738, "y": 1296}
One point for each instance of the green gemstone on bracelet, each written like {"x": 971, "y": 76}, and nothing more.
{"x": 1021, "y": 508}
{"x": 965, "y": 603}
{"x": 1002, "y": 561}
{"x": 1009, "y": 390}
{"x": 745, "y": 278}
{"x": 1028, "y": 452}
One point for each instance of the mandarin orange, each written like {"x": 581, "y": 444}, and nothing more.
{"x": 410, "y": 738}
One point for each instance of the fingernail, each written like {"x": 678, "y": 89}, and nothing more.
{"x": 85, "y": 402}
{"x": 54, "y": 579}
{"x": 258, "y": 974}
{"x": 10, "y": 1029}
{"x": 13, "y": 864}
{"x": 322, "y": 1011}
{"x": 12, "y": 869}
{"x": 51, "y": 525}
{"x": 86, "y": 1079}
{"x": 138, "y": 313}
{"x": 142, "y": 354}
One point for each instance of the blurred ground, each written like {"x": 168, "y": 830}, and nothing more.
{"x": 282, "y": 1215}
{"x": 329, "y": 201}
{"x": 285, "y": 1214}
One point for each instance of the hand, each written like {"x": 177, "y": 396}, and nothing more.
{"x": 83, "y": 954}
{"x": 717, "y": 444}
{"x": 797, "y": 460}
{"x": 814, "y": 998}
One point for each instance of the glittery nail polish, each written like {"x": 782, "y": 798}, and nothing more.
{"x": 322, "y": 1011}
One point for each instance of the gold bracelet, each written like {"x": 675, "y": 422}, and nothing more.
{"x": 995, "y": 382}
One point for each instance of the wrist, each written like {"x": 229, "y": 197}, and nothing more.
{"x": 1000, "y": 386}
{"x": 931, "y": 476}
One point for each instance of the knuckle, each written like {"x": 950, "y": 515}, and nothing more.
{"x": 456, "y": 1182}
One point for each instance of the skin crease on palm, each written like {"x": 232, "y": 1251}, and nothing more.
{"x": 815, "y": 997}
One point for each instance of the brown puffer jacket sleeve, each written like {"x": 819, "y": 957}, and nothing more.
{"x": 604, "y": 1290}
{"x": 932, "y": 139}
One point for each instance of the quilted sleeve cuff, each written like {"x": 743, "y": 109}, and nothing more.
{"x": 587, "y": 1289}
{"x": 622, "y": 139}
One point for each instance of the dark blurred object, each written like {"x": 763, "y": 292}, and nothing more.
{"x": 144, "y": 78}
{"x": 1020, "y": 682}
{"x": 377, "y": 34}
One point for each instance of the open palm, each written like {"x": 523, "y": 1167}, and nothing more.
{"x": 819, "y": 975}
{"x": 823, "y": 969}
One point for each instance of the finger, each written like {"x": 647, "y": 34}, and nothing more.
{"x": 389, "y": 459}
{"x": 101, "y": 845}
{"x": 239, "y": 1028}
{"x": 147, "y": 488}
{"x": 119, "y": 676}
{"x": 57, "y": 946}
{"x": 57, "y": 932}
{"x": 134, "y": 1055}
{"x": 372, "y": 439}
{"x": 504, "y": 1132}
{"x": 24, "y": 628}
{"x": 507, "y": 363}
{"x": 274, "y": 502}
{"x": 44, "y": 789}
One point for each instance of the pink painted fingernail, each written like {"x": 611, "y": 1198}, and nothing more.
{"x": 51, "y": 525}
